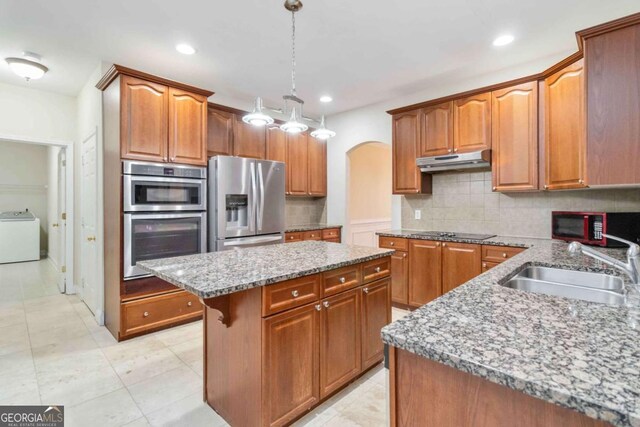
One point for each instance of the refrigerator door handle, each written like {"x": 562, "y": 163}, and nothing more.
{"x": 254, "y": 196}
{"x": 261, "y": 200}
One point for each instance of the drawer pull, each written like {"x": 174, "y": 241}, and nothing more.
{"x": 343, "y": 280}
{"x": 295, "y": 293}
{"x": 404, "y": 255}
{"x": 392, "y": 243}
{"x": 145, "y": 314}
{"x": 484, "y": 265}
{"x": 504, "y": 255}
{"x": 189, "y": 304}
{"x": 444, "y": 245}
{"x": 377, "y": 269}
{"x": 365, "y": 290}
{"x": 326, "y": 304}
{"x": 318, "y": 307}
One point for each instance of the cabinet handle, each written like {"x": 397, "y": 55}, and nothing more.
{"x": 546, "y": 187}
{"x": 295, "y": 293}
{"x": 365, "y": 290}
{"x": 343, "y": 280}
{"x": 438, "y": 244}
{"x": 326, "y": 304}
{"x": 581, "y": 181}
{"x": 145, "y": 314}
{"x": 377, "y": 269}
{"x": 404, "y": 255}
{"x": 455, "y": 150}
{"x": 189, "y": 304}
{"x": 449, "y": 150}
{"x": 484, "y": 265}
{"x": 494, "y": 188}
{"x": 173, "y": 159}
{"x": 444, "y": 245}
{"x": 504, "y": 255}
{"x": 390, "y": 244}
{"x": 318, "y": 307}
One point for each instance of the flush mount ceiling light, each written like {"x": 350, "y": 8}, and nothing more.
{"x": 503, "y": 40}
{"x": 294, "y": 124}
{"x": 322, "y": 132}
{"x": 326, "y": 98}
{"x": 27, "y": 67}
{"x": 185, "y": 49}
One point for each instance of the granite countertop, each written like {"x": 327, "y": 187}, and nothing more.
{"x": 220, "y": 273}
{"x": 522, "y": 242}
{"x": 309, "y": 227}
{"x": 580, "y": 355}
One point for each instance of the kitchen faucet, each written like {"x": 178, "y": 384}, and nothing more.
{"x": 631, "y": 267}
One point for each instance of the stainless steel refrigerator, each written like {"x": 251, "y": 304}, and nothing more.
{"x": 246, "y": 203}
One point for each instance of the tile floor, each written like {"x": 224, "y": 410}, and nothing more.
{"x": 53, "y": 352}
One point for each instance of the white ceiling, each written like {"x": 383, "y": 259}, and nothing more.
{"x": 358, "y": 51}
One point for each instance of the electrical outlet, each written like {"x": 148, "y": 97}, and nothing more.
{"x": 418, "y": 213}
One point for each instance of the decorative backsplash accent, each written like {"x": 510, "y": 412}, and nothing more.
{"x": 305, "y": 210}
{"x": 465, "y": 202}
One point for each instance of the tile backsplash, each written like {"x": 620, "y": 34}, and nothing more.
{"x": 305, "y": 210}
{"x": 465, "y": 202}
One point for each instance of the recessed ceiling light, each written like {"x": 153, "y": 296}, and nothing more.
{"x": 185, "y": 49}
{"x": 326, "y": 98}
{"x": 503, "y": 40}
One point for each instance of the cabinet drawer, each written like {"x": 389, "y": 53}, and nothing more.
{"x": 499, "y": 253}
{"x": 290, "y": 294}
{"x": 376, "y": 269}
{"x": 486, "y": 265}
{"x": 313, "y": 235}
{"x": 336, "y": 281}
{"x": 293, "y": 237}
{"x": 149, "y": 313}
{"x": 336, "y": 240}
{"x": 330, "y": 233}
{"x": 393, "y": 243}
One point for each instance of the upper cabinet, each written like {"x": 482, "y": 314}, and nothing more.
{"x": 249, "y": 140}
{"x": 612, "y": 58}
{"x": 407, "y": 178}
{"x": 317, "y": 168}
{"x": 297, "y": 164}
{"x": 220, "y": 132}
{"x": 514, "y": 138}
{"x": 565, "y": 128}
{"x": 436, "y": 135}
{"x": 276, "y": 144}
{"x": 143, "y": 116}
{"x": 187, "y": 127}
{"x": 472, "y": 123}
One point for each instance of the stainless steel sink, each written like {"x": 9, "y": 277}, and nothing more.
{"x": 582, "y": 285}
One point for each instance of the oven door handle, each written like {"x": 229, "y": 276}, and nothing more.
{"x": 166, "y": 215}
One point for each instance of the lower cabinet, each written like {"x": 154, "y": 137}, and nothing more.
{"x": 400, "y": 277}
{"x": 376, "y": 313}
{"x": 327, "y": 235}
{"x": 461, "y": 262}
{"x": 425, "y": 271}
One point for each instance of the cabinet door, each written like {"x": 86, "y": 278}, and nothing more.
{"x": 276, "y": 144}
{"x": 187, "y": 127}
{"x": 249, "y": 140}
{"x": 399, "y": 277}
{"x": 297, "y": 164}
{"x": 376, "y": 314}
{"x": 472, "y": 123}
{"x": 406, "y": 141}
{"x": 425, "y": 271}
{"x": 514, "y": 138}
{"x": 219, "y": 133}
{"x": 461, "y": 262}
{"x": 565, "y": 128}
{"x": 317, "y": 155}
{"x": 143, "y": 122}
{"x": 436, "y": 136}
{"x": 290, "y": 364}
{"x": 340, "y": 350}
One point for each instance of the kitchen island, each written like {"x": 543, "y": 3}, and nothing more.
{"x": 286, "y": 326}
{"x": 487, "y": 355}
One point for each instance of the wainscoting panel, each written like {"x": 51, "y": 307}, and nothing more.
{"x": 362, "y": 232}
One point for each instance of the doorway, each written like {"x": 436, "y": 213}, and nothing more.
{"x": 368, "y": 192}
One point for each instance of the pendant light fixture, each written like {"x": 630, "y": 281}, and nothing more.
{"x": 27, "y": 67}
{"x": 295, "y": 123}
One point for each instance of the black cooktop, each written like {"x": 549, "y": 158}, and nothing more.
{"x": 452, "y": 235}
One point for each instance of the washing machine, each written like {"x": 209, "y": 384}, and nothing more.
{"x": 19, "y": 237}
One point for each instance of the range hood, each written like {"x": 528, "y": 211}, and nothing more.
{"x": 451, "y": 162}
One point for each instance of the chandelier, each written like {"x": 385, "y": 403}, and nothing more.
{"x": 292, "y": 103}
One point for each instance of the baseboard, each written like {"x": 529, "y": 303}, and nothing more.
{"x": 54, "y": 263}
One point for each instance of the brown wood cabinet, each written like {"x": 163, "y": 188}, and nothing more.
{"x": 317, "y": 155}
{"x": 144, "y": 126}
{"x": 425, "y": 271}
{"x": 514, "y": 138}
{"x": 407, "y": 178}
{"x": 219, "y": 132}
{"x": 472, "y": 123}
{"x": 565, "y": 128}
{"x": 297, "y": 164}
{"x": 400, "y": 277}
{"x": 249, "y": 140}
{"x": 187, "y": 127}
{"x": 291, "y": 365}
{"x": 340, "y": 346}
{"x": 436, "y": 132}
{"x": 461, "y": 262}
{"x": 327, "y": 235}
{"x": 276, "y": 145}
{"x": 376, "y": 313}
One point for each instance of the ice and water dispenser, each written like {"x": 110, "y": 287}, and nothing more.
{"x": 237, "y": 206}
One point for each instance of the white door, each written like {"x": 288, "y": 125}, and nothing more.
{"x": 61, "y": 231}
{"x": 89, "y": 284}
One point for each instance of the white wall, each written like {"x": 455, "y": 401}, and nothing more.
{"x": 23, "y": 182}
{"x": 372, "y": 123}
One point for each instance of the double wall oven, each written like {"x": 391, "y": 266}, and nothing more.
{"x": 164, "y": 212}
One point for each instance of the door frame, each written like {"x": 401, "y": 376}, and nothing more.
{"x": 68, "y": 235}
